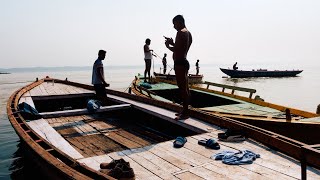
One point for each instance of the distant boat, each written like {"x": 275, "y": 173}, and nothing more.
{"x": 193, "y": 78}
{"x": 260, "y": 73}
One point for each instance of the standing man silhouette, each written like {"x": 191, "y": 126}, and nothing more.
{"x": 147, "y": 59}
{"x": 197, "y": 67}
{"x": 164, "y": 62}
{"x": 180, "y": 50}
{"x": 98, "y": 80}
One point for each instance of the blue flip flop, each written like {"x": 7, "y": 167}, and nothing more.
{"x": 179, "y": 142}
{"x": 210, "y": 143}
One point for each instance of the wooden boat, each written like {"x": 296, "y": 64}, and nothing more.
{"x": 250, "y": 110}
{"x": 68, "y": 142}
{"x": 193, "y": 78}
{"x": 259, "y": 73}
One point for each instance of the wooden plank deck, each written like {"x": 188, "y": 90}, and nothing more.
{"x": 50, "y": 88}
{"x": 88, "y": 138}
{"x": 42, "y": 128}
{"x": 166, "y": 162}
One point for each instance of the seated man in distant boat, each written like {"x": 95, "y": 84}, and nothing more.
{"x": 197, "y": 67}
{"x": 164, "y": 62}
{"x": 235, "y": 66}
{"x": 180, "y": 50}
{"x": 98, "y": 80}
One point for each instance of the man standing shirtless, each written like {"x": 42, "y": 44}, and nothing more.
{"x": 180, "y": 50}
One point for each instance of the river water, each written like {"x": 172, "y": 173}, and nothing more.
{"x": 299, "y": 92}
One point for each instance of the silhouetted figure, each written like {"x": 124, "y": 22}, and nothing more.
{"x": 197, "y": 67}
{"x": 147, "y": 59}
{"x": 288, "y": 115}
{"x": 180, "y": 50}
{"x": 235, "y": 66}
{"x": 164, "y": 62}
{"x": 98, "y": 80}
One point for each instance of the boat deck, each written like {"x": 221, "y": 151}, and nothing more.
{"x": 238, "y": 107}
{"x": 87, "y": 139}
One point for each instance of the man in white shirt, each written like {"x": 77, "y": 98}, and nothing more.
{"x": 147, "y": 59}
{"x": 98, "y": 75}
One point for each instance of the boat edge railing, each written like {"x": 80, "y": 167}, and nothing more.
{"x": 233, "y": 88}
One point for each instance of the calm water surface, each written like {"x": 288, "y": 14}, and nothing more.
{"x": 297, "y": 92}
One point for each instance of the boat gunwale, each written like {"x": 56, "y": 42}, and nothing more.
{"x": 281, "y": 108}
{"x": 64, "y": 164}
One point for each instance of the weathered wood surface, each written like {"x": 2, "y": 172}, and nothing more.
{"x": 51, "y": 88}
{"x": 162, "y": 161}
{"x": 190, "y": 123}
{"x": 91, "y": 138}
{"x": 42, "y": 128}
{"x": 76, "y": 112}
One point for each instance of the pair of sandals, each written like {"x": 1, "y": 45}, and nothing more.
{"x": 209, "y": 143}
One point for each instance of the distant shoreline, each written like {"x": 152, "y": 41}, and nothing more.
{"x": 4, "y": 73}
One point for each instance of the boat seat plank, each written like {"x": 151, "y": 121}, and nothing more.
{"x": 42, "y": 127}
{"x": 28, "y": 100}
{"x": 168, "y": 115}
{"x": 76, "y": 112}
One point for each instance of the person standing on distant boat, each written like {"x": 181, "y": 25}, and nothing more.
{"x": 98, "y": 80}
{"x": 147, "y": 59}
{"x": 180, "y": 50}
{"x": 197, "y": 67}
{"x": 164, "y": 62}
{"x": 235, "y": 66}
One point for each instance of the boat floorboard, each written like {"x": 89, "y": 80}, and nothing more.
{"x": 162, "y": 161}
{"x": 98, "y": 138}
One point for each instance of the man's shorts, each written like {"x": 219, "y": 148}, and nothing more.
{"x": 182, "y": 62}
{"x": 100, "y": 90}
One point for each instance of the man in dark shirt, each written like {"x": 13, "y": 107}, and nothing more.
{"x": 164, "y": 62}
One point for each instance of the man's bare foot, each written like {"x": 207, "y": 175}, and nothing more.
{"x": 182, "y": 116}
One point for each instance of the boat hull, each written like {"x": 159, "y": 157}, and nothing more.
{"x": 259, "y": 73}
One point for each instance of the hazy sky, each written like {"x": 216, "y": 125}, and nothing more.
{"x": 70, "y": 32}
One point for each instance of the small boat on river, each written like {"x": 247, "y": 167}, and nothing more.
{"x": 67, "y": 141}
{"x": 260, "y": 73}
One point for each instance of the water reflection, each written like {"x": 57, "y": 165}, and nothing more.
{"x": 22, "y": 167}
